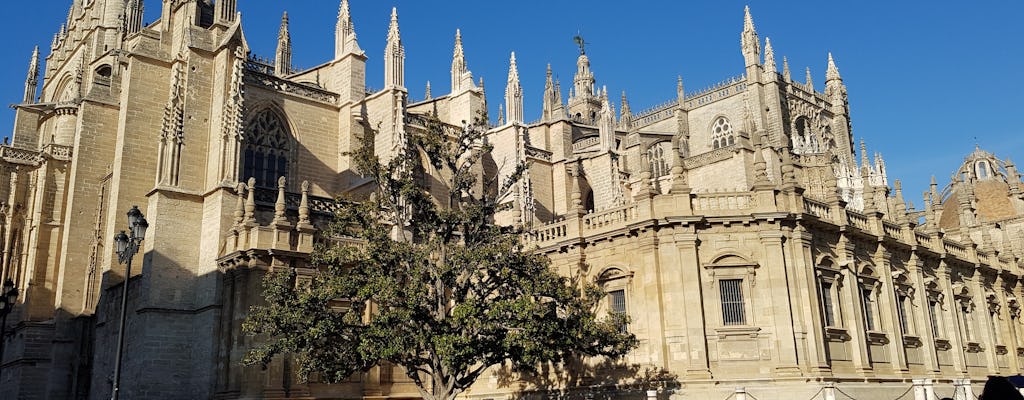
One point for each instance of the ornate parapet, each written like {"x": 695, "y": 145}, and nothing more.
{"x": 21, "y": 156}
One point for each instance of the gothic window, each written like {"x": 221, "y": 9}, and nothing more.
{"x": 659, "y": 163}
{"x": 733, "y": 306}
{"x": 721, "y": 133}
{"x": 266, "y": 149}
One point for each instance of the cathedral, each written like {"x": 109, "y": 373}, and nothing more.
{"x": 752, "y": 243}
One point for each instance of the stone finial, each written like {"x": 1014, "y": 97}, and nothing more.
{"x": 304, "y": 204}
{"x": 832, "y": 74}
{"x": 460, "y": 70}
{"x": 679, "y": 183}
{"x": 680, "y": 93}
{"x": 809, "y": 80}
{"x": 426, "y": 92}
{"x": 750, "y": 44}
{"x": 785, "y": 70}
{"x": 283, "y": 59}
{"x": 625, "y": 114}
{"x": 240, "y": 204}
{"x": 394, "y": 55}
{"x": 645, "y": 191}
{"x": 345, "y": 41}
{"x": 760, "y": 169}
{"x": 513, "y": 93}
{"x": 279, "y": 205}
{"x": 576, "y": 197}
{"x": 769, "y": 58}
{"x": 868, "y": 192}
{"x": 250, "y": 203}
{"x": 32, "y": 80}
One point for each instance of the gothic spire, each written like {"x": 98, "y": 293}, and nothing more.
{"x": 832, "y": 74}
{"x": 606, "y": 122}
{"x": 133, "y": 16}
{"x": 513, "y": 93}
{"x": 283, "y": 61}
{"x": 769, "y": 58}
{"x": 810, "y": 82}
{"x": 584, "y": 79}
{"x": 785, "y": 70}
{"x": 749, "y": 43}
{"x": 549, "y": 96}
{"x": 394, "y": 55}
{"x": 32, "y": 81}
{"x": 461, "y": 77}
{"x": 680, "y": 93}
{"x": 625, "y": 113}
{"x": 345, "y": 42}
{"x": 426, "y": 92}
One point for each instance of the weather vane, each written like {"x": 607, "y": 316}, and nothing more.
{"x": 579, "y": 42}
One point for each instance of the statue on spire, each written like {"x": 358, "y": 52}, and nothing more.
{"x": 578, "y": 39}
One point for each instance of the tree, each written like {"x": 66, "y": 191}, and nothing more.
{"x": 430, "y": 284}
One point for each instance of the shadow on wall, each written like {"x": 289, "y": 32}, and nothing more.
{"x": 589, "y": 380}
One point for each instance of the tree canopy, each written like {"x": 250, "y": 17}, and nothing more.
{"x": 430, "y": 284}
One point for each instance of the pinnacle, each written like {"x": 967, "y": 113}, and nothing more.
{"x": 748, "y": 20}
{"x": 833, "y": 72}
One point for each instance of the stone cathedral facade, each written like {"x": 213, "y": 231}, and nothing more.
{"x": 750, "y": 240}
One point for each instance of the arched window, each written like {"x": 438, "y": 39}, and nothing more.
{"x": 721, "y": 133}
{"x": 982, "y": 169}
{"x": 266, "y": 148}
{"x": 659, "y": 163}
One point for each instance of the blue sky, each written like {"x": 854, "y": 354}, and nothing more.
{"x": 925, "y": 78}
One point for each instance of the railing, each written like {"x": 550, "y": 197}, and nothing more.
{"x": 817, "y": 209}
{"x": 317, "y": 205}
{"x": 612, "y": 217}
{"x": 858, "y": 220}
{"x": 272, "y": 82}
{"x": 539, "y": 154}
{"x": 59, "y": 152}
{"x": 710, "y": 202}
{"x": 892, "y": 230}
{"x": 923, "y": 239}
{"x": 19, "y": 156}
{"x": 586, "y": 142}
{"x": 954, "y": 248}
{"x": 553, "y": 231}
{"x": 718, "y": 91}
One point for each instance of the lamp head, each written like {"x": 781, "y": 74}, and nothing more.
{"x": 139, "y": 228}
{"x": 134, "y": 215}
{"x": 121, "y": 241}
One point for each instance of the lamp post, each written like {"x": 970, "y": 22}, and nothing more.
{"x": 7, "y": 298}
{"x": 127, "y": 246}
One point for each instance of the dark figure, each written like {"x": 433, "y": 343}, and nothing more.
{"x": 1000, "y": 388}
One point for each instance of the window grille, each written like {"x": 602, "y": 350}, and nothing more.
{"x": 618, "y": 301}
{"x": 733, "y": 312}
{"x": 826, "y": 302}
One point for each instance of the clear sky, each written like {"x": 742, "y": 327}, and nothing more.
{"x": 927, "y": 79}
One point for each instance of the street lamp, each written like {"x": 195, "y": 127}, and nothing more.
{"x": 127, "y": 244}
{"x": 7, "y": 298}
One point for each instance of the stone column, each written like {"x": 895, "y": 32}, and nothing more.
{"x": 850, "y": 293}
{"x": 919, "y": 391}
{"x": 923, "y": 319}
{"x": 807, "y": 283}
{"x": 953, "y": 316}
{"x": 775, "y": 265}
{"x": 888, "y": 311}
{"x": 696, "y": 343}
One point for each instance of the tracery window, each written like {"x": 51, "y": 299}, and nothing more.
{"x": 266, "y": 148}
{"x": 722, "y": 134}
{"x": 659, "y": 163}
